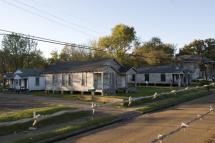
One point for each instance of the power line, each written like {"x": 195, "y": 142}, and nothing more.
{"x": 46, "y": 18}
{"x": 56, "y": 17}
{"x": 47, "y": 40}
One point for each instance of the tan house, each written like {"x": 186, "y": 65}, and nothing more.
{"x": 163, "y": 75}
{"x": 105, "y": 76}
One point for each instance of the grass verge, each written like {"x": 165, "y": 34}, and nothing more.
{"x": 28, "y": 113}
{"x": 175, "y": 99}
{"x": 64, "y": 130}
{"x": 4, "y": 130}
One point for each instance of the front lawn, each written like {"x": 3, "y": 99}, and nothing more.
{"x": 174, "y": 99}
{"x": 67, "y": 129}
{"x": 28, "y": 113}
{"x": 63, "y": 118}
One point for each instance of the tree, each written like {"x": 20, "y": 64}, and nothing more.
{"x": 19, "y": 52}
{"x": 70, "y": 53}
{"x": 154, "y": 52}
{"x": 193, "y": 48}
{"x": 54, "y": 58}
{"x": 204, "y": 48}
{"x": 117, "y": 44}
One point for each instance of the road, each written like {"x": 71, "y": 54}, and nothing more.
{"x": 146, "y": 128}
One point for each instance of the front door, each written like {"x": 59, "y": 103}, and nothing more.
{"x": 97, "y": 81}
{"x": 25, "y": 83}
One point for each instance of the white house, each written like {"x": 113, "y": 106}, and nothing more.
{"x": 194, "y": 62}
{"x": 25, "y": 79}
{"x": 163, "y": 75}
{"x": 105, "y": 76}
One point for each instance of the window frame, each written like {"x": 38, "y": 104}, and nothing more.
{"x": 163, "y": 77}
{"x": 37, "y": 81}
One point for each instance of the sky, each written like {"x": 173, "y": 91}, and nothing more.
{"x": 81, "y": 21}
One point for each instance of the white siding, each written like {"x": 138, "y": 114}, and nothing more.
{"x": 154, "y": 78}
{"x": 31, "y": 84}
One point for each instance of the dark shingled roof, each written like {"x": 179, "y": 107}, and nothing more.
{"x": 79, "y": 66}
{"x": 25, "y": 73}
{"x": 30, "y": 72}
{"x": 161, "y": 69}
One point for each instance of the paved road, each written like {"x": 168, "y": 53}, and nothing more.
{"x": 146, "y": 128}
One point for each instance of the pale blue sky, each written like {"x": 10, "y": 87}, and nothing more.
{"x": 174, "y": 21}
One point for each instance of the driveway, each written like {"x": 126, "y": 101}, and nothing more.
{"x": 146, "y": 128}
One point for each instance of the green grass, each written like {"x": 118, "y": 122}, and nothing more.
{"x": 145, "y": 91}
{"x": 57, "y": 95}
{"x": 46, "y": 122}
{"x": 28, "y": 113}
{"x": 175, "y": 99}
{"x": 66, "y": 129}
{"x": 141, "y": 91}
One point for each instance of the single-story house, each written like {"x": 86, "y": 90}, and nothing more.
{"x": 193, "y": 63}
{"x": 163, "y": 75}
{"x": 25, "y": 79}
{"x": 104, "y": 76}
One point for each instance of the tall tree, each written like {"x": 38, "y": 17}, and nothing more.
{"x": 20, "y": 52}
{"x": 69, "y": 53}
{"x": 204, "y": 48}
{"x": 154, "y": 52}
{"x": 117, "y": 44}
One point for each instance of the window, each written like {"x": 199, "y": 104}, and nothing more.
{"x": 54, "y": 79}
{"x": 37, "y": 81}
{"x": 63, "y": 80}
{"x": 163, "y": 77}
{"x": 19, "y": 82}
{"x": 84, "y": 79}
{"x": 147, "y": 77}
{"x": 70, "y": 79}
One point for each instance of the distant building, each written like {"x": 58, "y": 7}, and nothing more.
{"x": 193, "y": 63}
{"x": 163, "y": 75}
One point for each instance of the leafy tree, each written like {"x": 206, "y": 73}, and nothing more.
{"x": 19, "y": 52}
{"x": 117, "y": 44}
{"x": 154, "y": 52}
{"x": 54, "y": 58}
{"x": 194, "y": 48}
{"x": 69, "y": 53}
{"x": 204, "y": 48}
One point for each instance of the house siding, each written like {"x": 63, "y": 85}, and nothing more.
{"x": 155, "y": 78}
{"x": 31, "y": 84}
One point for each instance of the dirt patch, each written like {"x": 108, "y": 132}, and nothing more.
{"x": 10, "y": 103}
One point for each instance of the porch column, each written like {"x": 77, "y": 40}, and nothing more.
{"x": 126, "y": 80}
{"x": 102, "y": 81}
{"x": 179, "y": 80}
